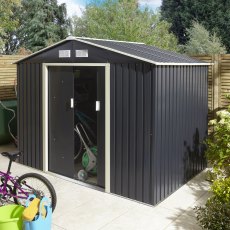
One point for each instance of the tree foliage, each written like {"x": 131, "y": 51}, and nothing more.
{"x": 213, "y": 14}
{"x": 124, "y": 20}
{"x": 202, "y": 42}
{"x": 8, "y": 22}
{"x": 43, "y": 23}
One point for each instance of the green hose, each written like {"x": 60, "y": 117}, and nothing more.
{"x": 85, "y": 160}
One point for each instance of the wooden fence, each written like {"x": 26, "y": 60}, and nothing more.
{"x": 8, "y": 75}
{"x": 218, "y": 81}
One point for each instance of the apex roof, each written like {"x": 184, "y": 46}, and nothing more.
{"x": 135, "y": 50}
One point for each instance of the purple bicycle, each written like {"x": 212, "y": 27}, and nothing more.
{"x": 17, "y": 189}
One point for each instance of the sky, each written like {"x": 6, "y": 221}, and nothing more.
{"x": 75, "y": 7}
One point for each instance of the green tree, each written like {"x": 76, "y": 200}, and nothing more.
{"x": 124, "y": 20}
{"x": 8, "y": 23}
{"x": 43, "y": 22}
{"x": 213, "y": 14}
{"x": 202, "y": 42}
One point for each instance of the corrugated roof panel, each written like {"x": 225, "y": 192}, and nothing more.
{"x": 139, "y": 51}
{"x": 144, "y": 51}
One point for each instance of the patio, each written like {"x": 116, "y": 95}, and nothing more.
{"x": 83, "y": 208}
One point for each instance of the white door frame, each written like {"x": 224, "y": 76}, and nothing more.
{"x": 45, "y": 109}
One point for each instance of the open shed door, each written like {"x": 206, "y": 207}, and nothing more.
{"x": 101, "y": 126}
{"x": 61, "y": 120}
{"x": 90, "y": 115}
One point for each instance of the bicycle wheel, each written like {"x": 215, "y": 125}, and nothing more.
{"x": 35, "y": 184}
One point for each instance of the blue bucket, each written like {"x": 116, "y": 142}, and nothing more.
{"x": 40, "y": 222}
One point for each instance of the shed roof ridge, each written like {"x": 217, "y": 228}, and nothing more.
{"x": 165, "y": 52}
{"x": 196, "y": 62}
{"x": 171, "y": 53}
{"x": 133, "y": 48}
{"x": 100, "y": 39}
{"x": 117, "y": 51}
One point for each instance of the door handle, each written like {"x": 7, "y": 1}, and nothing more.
{"x": 98, "y": 105}
{"x": 71, "y": 103}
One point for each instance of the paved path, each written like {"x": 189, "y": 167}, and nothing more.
{"x": 82, "y": 208}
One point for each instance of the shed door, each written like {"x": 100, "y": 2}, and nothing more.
{"x": 61, "y": 120}
{"x": 90, "y": 113}
{"x": 101, "y": 127}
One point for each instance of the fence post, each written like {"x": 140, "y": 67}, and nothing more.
{"x": 216, "y": 82}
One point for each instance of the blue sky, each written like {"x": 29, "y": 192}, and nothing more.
{"x": 75, "y": 7}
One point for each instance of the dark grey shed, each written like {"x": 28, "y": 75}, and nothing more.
{"x": 153, "y": 114}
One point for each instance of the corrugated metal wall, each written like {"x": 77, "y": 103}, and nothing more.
{"x": 180, "y": 126}
{"x": 30, "y": 94}
{"x": 30, "y": 113}
{"x": 158, "y": 119}
{"x": 131, "y": 128}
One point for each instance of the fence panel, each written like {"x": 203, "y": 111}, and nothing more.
{"x": 218, "y": 79}
{"x": 209, "y": 59}
{"x": 224, "y": 79}
{"x": 8, "y": 76}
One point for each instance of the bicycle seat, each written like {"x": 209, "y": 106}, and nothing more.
{"x": 12, "y": 155}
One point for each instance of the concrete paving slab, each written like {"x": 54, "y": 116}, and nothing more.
{"x": 56, "y": 227}
{"x": 184, "y": 222}
{"x": 143, "y": 217}
{"x": 200, "y": 202}
{"x": 82, "y": 208}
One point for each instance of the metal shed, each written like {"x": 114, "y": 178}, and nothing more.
{"x": 151, "y": 117}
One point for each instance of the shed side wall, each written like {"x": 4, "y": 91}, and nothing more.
{"x": 180, "y": 126}
{"x": 158, "y": 119}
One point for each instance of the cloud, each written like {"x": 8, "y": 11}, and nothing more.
{"x": 73, "y": 7}
{"x": 151, "y": 3}
{"x": 76, "y": 7}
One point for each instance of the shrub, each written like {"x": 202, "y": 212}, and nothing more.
{"x": 218, "y": 143}
{"x": 221, "y": 190}
{"x": 215, "y": 215}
